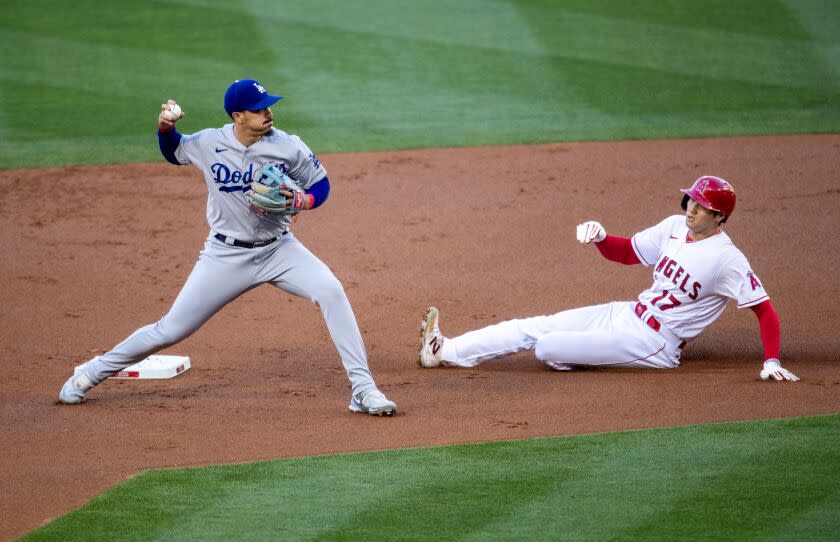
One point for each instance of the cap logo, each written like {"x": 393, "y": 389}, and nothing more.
{"x": 259, "y": 88}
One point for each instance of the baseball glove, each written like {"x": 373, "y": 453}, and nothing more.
{"x": 275, "y": 193}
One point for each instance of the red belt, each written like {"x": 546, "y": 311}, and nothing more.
{"x": 652, "y": 322}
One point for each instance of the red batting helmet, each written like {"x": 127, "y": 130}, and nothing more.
{"x": 712, "y": 193}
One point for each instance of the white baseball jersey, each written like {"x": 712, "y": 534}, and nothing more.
{"x": 693, "y": 280}
{"x": 229, "y": 167}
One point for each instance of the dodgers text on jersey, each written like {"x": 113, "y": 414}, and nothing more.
{"x": 233, "y": 180}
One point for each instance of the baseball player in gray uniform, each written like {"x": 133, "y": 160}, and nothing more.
{"x": 696, "y": 270}
{"x": 246, "y": 246}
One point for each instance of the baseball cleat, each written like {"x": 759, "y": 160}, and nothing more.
{"x": 431, "y": 346}
{"x": 372, "y": 402}
{"x": 73, "y": 391}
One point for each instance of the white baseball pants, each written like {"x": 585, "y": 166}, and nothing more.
{"x": 601, "y": 335}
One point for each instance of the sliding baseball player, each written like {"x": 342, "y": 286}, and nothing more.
{"x": 696, "y": 270}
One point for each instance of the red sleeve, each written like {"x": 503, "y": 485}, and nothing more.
{"x": 768, "y": 322}
{"x": 618, "y": 249}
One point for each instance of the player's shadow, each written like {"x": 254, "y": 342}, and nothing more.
{"x": 730, "y": 343}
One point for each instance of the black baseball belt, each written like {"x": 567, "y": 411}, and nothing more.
{"x": 245, "y": 244}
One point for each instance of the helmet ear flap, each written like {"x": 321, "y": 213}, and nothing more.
{"x": 684, "y": 203}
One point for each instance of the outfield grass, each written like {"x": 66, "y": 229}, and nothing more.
{"x": 81, "y": 81}
{"x": 768, "y": 480}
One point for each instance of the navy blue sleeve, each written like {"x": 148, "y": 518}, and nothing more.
{"x": 320, "y": 191}
{"x": 168, "y": 142}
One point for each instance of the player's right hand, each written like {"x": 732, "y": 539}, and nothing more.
{"x": 773, "y": 368}
{"x": 591, "y": 231}
{"x": 165, "y": 120}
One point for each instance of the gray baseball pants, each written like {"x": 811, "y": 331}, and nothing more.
{"x": 223, "y": 273}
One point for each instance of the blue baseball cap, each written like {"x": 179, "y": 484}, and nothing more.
{"x": 247, "y": 95}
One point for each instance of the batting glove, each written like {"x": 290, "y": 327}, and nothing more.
{"x": 591, "y": 231}
{"x": 773, "y": 368}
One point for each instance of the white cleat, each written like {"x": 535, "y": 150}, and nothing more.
{"x": 73, "y": 391}
{"x": 372, "y": 402}
{"x": 431, "y": 346}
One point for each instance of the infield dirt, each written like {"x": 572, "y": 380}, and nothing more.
{"x": 93, "y": 252}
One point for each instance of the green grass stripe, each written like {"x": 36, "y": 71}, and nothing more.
{"x": 379, "y": 74}
{"x": 771, "y": 44}
{"x": 767, "y": 480}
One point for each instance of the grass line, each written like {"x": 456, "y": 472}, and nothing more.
{"x": 750, "y": 480}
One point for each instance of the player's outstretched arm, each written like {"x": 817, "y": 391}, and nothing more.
{"x": 615, "y": 249}
{"x": 768, "y": 321}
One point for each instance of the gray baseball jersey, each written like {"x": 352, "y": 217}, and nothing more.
{"x": 225, "y": 270}
{"x": 229, "y": 167}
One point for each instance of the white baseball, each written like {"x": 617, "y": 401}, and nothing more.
{"x": 173, "y": 112}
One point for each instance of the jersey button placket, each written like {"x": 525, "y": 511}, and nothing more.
{"x": 253, "y": 218}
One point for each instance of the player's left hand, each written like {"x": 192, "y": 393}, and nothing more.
{"x": 296, "y": 200}
{"x": 590, "y": 232}
{"x": 773, "y": 368}
{"x": 275, "y": 193}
